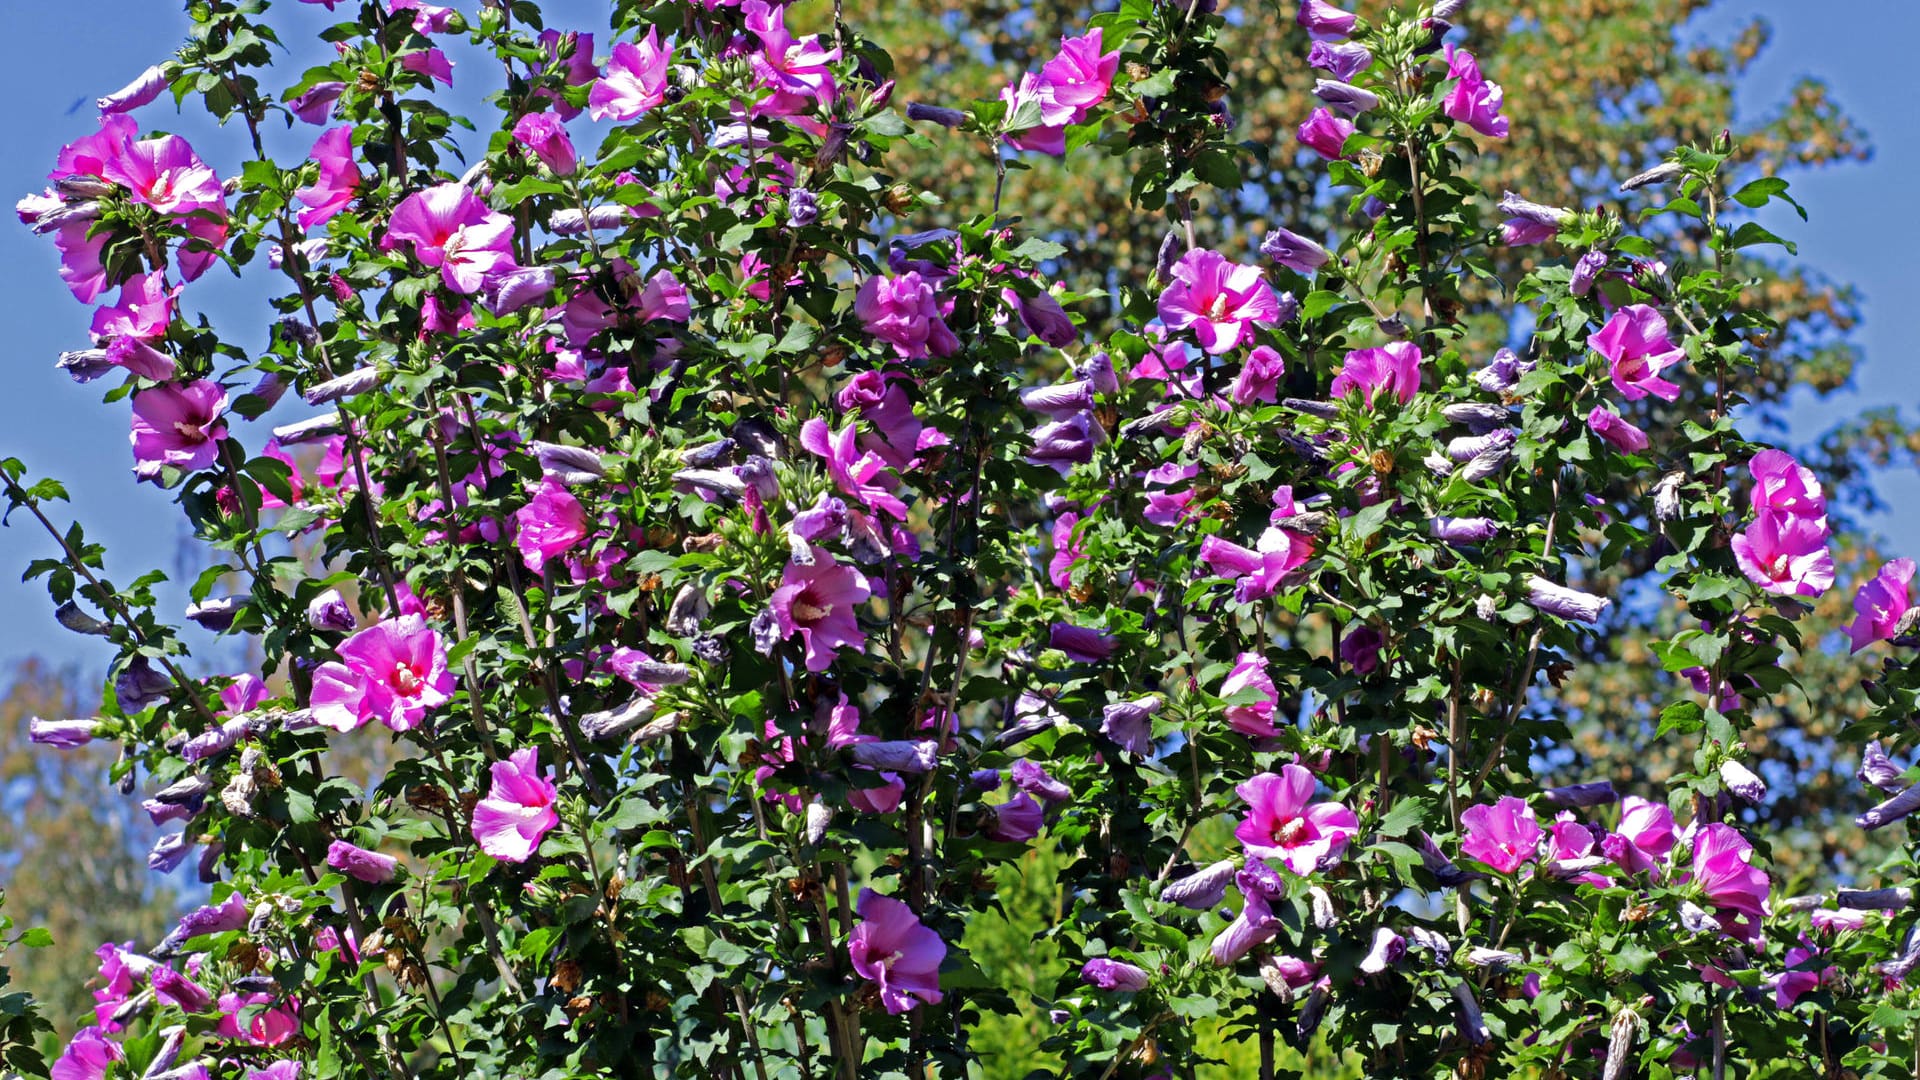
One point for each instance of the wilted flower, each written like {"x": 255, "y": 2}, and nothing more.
{"x": 1325, "y": 134}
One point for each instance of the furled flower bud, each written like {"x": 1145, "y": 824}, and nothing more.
{"x": 85, "y": 365}
{"x": 1663, "y": 173}
{"x": 217, "y": 613}
{"x": 1566, "y": 603}
{"x": 1438, "y": 949}
{"x": 62, "y": 734}
{"x": 1473, "y": 1027}
{"x": 1172, "y": 248}
{"x": 1620, "y": 1039}
{"x": 1388, "y": 948}
{"x": 1496, "y": 959}
{"x": 1697, "y": 919}
{"x": 1114, "y": 975}
{"x": 610, "y": 724}
{"x": 1469, "y": 530}
{"x": 688, "y": 610}
{"x": 1877, "y": 770}
{"x": 1742, "y": 782}
{"x": 358, "y": 381}
{"x": 70, "y": 616}
{"x": 317, "y": 427}
{"x": 1315, "y": 1009}
{"x": 144, "y": 88}
{"x": 1480, "y": 417}
{"x": 1597, "y": 793}
{"x": 329, "y": 612}
{"x": 803, "y": 208}
{"x": 216, "y": 740}
{"x": 1487, "y": 463}
{"x": 570, "y": 222}
{"x": 1586, "y": 270}
{"x": 1293, "y": 251}
{"x": 1666, "y": 496}
{"x": 945, "y": 117}
{"x": 1344, "y": 98}
{"x": 819, "y": 817}
{"x": 1890, "y": 811}
{"x": 138, "y": 685}
{"x": 568, "y": 464}
{"x": 1320, "y": 908}
{"x": 1130, "y": 723}
{"x": 902, "y": 756}
{"x": 1891, "y": 899}
{"x": 1201, "y": 889}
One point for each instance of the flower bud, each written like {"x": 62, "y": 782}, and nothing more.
{"x": 1293, "y": 251}
{"x": 1320, "y": 906}
{"x": 1344, "y": 98}
{"x": 1877, "y": 770}
{"x": 138, "y": 685}
{"x": 1113, "y": 975}
{"x": 1473, "y": 1027}
{"x": 1571, "y": 604}
{"x": 1471, "y": 530}
{"x": 688, "y": 610}
{"x": 70, "y": 616}
{"x": 168, "y": 853}
{"x": 317, "y": 427}
{"x": 819, "y": 816}
{"x": 519, "y": 288}
{"x": 1315, "y": 1009}
{"x": 1659, "y": 174}
{"x": 1742, "y": 782}
{"x": 902, "y": 756}
{"x": 171, "y": 1040}
{"x": 329, "y": 612}
{"x": 803, "y": 208}
{"x": 1201, "y": 889}
{"x": 568, "y": 464}
{"x": 1438, "y": 949}
{"x": 1892, "y": 899}
{"x": 1890, "y": 811}
{"x": 217, "y": 613}
{"x": 1496, "y": 959}
{"x": 611, "y": 724}
{"x": 1487, "y": 463}
{"x": 1697, "y": 920}
{"x": 1130, "y": 723}
{"x": 570, "y": 222}
{"x": 1388, "y": 948}
{"x": 1586, "y": 270}
{"x": 1597, "y": 793}
{"x": 85, "y": 365}
{"x": 950, "y": 118}
{"x": 62, "y": 734}
{"x": 1620, "y": 1039}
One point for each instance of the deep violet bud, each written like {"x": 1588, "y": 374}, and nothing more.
{"x": 1259, "y": 879}
{"x": 1586, "y": 270}
{"x": 1035, "y": 781}
{"x": 1097, "y": 372}
{"x": 984, "y": 779}
{"x": 901, "y": 756}
{"x": 1878, "y": 770}
{"x": 1892, "y": 899}
{"x": 85, "y": 365}
{"x": 1015, "y": 821}
{"x": 1665, "y": 172}
{"x": 1597, "y": 793}
{"x": 1114, "y": 975}
{"x": 1388, "y": 948}
{"x": 1890, "y": 811}
{"x": 568, "y": 464}
{"x": 1201, "y": 889}
{"x": 1487, "y": 463}
{"x": 1314, "y": 1009}
{"x": 1360, "y": 649}
{"x": 329, "y": 611}
{"x": 1473, "y": 1026}
{"x": 1293, "y": 251}
{"x": 1326, "y": 410}
{"x": 1566, "y": 603}
{"x": 1468, "y": 447}
{"x": 610, "y": 724}
{"x": 61, "y": 734}
{"x": 1130, "y": 723}
{"x": 803, "y": 208}
{"x": 168, "y": 853}
{"x": 1082, "y": 644}
{"x": 1698, "y": 920}
{"x": 1043, "y": 315}
{"x": 951, "y": 118}
{"x": 1171, "y": 249}
{"x": 1438, "y": 949}
{"x": 1458, "y": 530}
{"x": 1742, "y": 782}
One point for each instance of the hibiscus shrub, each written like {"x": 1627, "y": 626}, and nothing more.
{"x": 746, "y": 572}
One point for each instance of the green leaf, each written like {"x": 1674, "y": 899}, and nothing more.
{"x": 37, "y": 938}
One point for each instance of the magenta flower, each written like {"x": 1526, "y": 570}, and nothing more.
{"x": 1637, "y": 349}
{"x": 1505, "y": 835}
{"x": 550, "y": 525}
{"x": 177, "y": 425}
{"x": 1789, "y": 985}
{"x": 361, "y": 864}
{"x": 257, "y": 1019}
{"x": 636, "y": 80}
{"x": 906, "y": 312}
{"x": 1048, "y": 133}
{"x": 1080, "y": 75}
{"x": 1257, "y": 573}
{"x": 144, "y": 310}
{"x": 315, "y": 105}
{"x": 429, "y": 64}
{"x": 338, "y": 180}
{"x": 1325, "y": 134}
{"x": 881, "y": 402}
{"x": 86, "y": 1057}
{"x": 1259, "y": 378}
{"x": 452, "y": 229}
{"x": 427, "y": 18}
{"x": 1618, "y": 433}
{"x": 545, "y": 136}
{"x": 795, "y": 70}
{"x": 853, "y": 472}
{"x": 818, "y": 600}
{"x": 1784, "y": 485}
{"x": 1786, "y": 555}
{"x": 893, "y": 950}
{"x": 1219, "y": 300}
{"x": 1474, "y": 101}
{"x": 1282, "y": 824}
{"x": 1881, "y": 603}
{"x": 1645, "y": 836}
{"x": 166, "y": 174}
{"x": 393, "y": 671}
{"x": 1393, "y": 369}
{"x": 1324, "y": 21}
{"x": 518, "y": 810}
{"x": 1721, "y": 868}
{"x": 1254, "y": 719}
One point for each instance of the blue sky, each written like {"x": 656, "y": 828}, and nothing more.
{"x": 1862, "y": 231}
